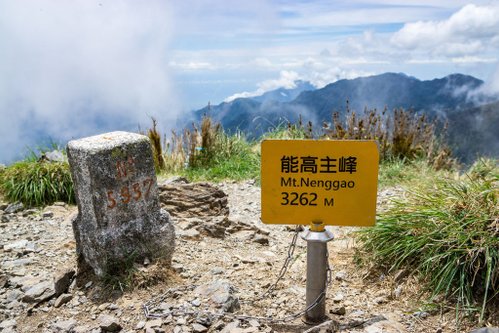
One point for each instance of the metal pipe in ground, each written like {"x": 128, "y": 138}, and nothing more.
{"x": 317, "y": 238}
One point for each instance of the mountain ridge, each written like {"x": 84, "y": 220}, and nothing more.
{"x": 444, "y": 99}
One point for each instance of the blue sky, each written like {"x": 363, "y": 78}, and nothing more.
{"x": 227, "y": 51}
{"x": 74, "y": 68}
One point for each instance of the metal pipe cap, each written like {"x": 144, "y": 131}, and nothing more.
{"x": 317, "y": 236}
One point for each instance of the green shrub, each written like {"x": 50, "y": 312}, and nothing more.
{"x": 206, "y": 152}
{"x": 407, "y": 173}
{"x": 225, "y": 157}
{"x": 291, "y": 131}
{"x": 447, "y": 232}
{"x": 38, "y": 183}
{"x": 402, "y": 135}
{"x": 240, "y": 166}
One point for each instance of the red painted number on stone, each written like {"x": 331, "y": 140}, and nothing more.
{"x": 124, "y": 168}
{"x": 136, "y": 191}
{"x": 125, "y": 195}
{"x": 120, "y": 169}
{"x": 111, "y": 202}
{"x": 148, "y": 182}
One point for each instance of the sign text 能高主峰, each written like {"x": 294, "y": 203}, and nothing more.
{"x": 304, "y": 181}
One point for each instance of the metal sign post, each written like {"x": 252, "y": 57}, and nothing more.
{"x": 318, "y": 272}
{"x": 325, "y": 181}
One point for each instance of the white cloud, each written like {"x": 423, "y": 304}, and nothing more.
{"x": 286, "y": 80}
{"x": 262, "y": 62}
{"x": 192, "y": 65}
{"x": 473, "y": 60}
{"x": 426, "y": 61}
{"x": 333, "y": 74}
{"x": 321, "y": 14}
{"x": 218, "y": 18}
{"x": 317, "y": 74}
{"x": 466, "y": 32}
{"x": 69, "y": 69}
{"x": 491, "y": 86}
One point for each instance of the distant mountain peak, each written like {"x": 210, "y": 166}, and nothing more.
{"x": 445, "y": 97}
{"x": 282, "y": 94}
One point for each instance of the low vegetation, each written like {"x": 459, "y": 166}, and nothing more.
{"x": 408, "y": 173}
{"x": 207, "y": 152}
{"x": 37, "y": 183}
{"x": 446, "y": 231}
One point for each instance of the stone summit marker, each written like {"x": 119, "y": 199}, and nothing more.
{"x": 119, "y": 215}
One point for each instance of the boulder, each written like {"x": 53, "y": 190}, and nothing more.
{"x": 119, "y": 216}
{"x": 193, "y": 200}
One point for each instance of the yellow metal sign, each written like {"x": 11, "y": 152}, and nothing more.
{"x": 312, "y": 181}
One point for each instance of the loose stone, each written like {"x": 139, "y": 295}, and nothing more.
{"x": 140, "y": 325}
{"x": 340, "y": 311}
{"x": 9, "y": 323}
{"x": 486, "y": 330}
{"x": 109, "y": 323}
{"x": 3, "y": 280}
{"x": 231, "y": 327}
{"x": 81, "y": 329}
{"x": 14, "y": 208}
{"x": 198, "y": 199}
{"x": 261, "y": 239}
{"x": 63, "y": 325}
{"x": 62, "y": 299}
{"x": 338, "y": 298}
{"x": 39, "y": 292}
{"x": 47, "y": 214}
{"x": 62, "y": 279}
{"x": 153, "y": 323}
{"x": 221, "y": 293}
{"x": 340, "y": 276}
{"x": 198, "y": 328}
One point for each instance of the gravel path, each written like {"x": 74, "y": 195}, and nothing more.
{"x": 37, "y": 245}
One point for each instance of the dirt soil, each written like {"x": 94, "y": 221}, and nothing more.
{"x": 35, "y": 244}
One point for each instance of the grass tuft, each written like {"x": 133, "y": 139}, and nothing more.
{"x": 37, "y": 183}
{"x": 291, "y": 131}
{"x": 407, "y": 173}
{"x": 448, "y": 233}
{"x": 157, "y": 150}
{"x": 206, "y": 152}
{"x": 127, "y": 275}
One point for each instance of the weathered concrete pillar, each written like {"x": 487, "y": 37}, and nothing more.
{"x": 119, "y": 217}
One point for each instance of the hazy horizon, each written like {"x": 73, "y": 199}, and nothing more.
{"x": 72, "y": 69}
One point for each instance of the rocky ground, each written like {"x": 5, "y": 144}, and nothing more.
{"x": 221, "y": 263}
